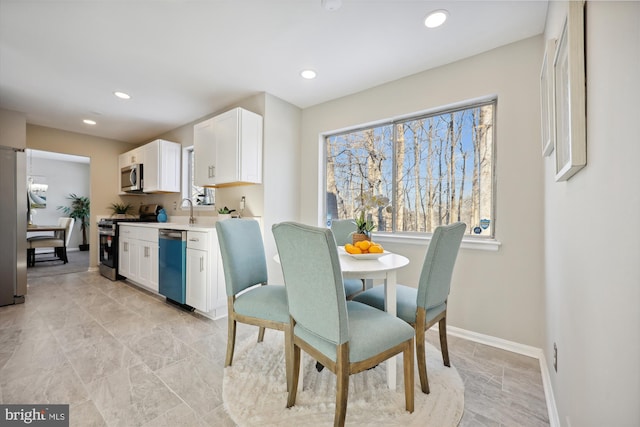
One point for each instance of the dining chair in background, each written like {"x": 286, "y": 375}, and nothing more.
{"x": 427, "y": 305}
{"x": 342, "y": 230}
{"x": 59, "y": 242}
{"x": 245, "y": 267}
{"x": 347, "y": 337}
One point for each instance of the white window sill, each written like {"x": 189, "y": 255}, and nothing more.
{"x": 480, "y": 244}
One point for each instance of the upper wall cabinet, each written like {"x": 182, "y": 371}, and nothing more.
{"x": 228, "y": 149}
{"x": 161, "y": 166}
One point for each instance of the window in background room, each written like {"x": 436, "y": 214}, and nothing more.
{"x": 411, "y": 175}
{"x": 202, "y": 198}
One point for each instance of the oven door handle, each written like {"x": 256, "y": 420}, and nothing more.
{"x": 107, "y": 233}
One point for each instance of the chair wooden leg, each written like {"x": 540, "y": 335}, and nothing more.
{"x": 231, "y": 340}
{"x": 261, "y": 334}
{"x": 342, "y": 385}
{"x": 442, "y": 326}
{"x": 288, "y": 355}
{"x": 407, "y": 362}
{"x": 420, "y": 350}
{"x": 294, "y": 371}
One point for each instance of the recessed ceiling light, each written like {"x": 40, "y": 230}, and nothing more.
{"x": 436, "y": 18}
{"x": 331, "y": 5}
{"x": 308, "y": 74}
{"x": 89, "y": 122}
{"x": 122, "y": 95}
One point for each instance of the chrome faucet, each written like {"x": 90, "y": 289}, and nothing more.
{"x": 192, "y": 220}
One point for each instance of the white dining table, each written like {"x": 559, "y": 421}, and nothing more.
{"x": 384, "y": 268}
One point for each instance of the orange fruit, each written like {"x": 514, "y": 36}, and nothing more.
{"x": 352, "y": 249}
{"x": 376, "y": 249}
{"x": 363, "y": 244}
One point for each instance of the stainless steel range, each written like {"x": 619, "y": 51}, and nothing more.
{"x": 108, "y": 237}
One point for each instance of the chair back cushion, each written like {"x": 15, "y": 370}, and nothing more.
{"x": 67, "y": 223}
{"x": 435, "y": 278}
{"x": 313, "y": 279}
{"x": 342, "y": 230}
{"x": 242, "y": 251}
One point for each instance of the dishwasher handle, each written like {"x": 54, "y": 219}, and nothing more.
{"x": 172, "y": 234}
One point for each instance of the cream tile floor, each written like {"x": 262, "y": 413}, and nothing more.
{"x": 122, "y": 357}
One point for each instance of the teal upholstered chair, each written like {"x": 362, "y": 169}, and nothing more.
{"x": 245, "y": 266}
{"x": 427, "y": 305}
{"x": 342, "y": 230}
{"x": 345, "y": 336}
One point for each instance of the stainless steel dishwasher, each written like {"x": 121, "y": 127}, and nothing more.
{"x": 173, "y": 265}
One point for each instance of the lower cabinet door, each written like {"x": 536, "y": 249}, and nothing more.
{"x": 197, "y": 279}
{"x": 148, "y": 258}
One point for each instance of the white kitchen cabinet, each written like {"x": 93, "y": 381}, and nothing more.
{"x": 198, "y": 270}
{"x": 161, "y": 167}
{"x": 203, "y": 274}
{"x": 148, "y": 251}
{"x": 138, "y": 255}
{"x": 131, "y": 157}
{"x": 228, "y": 149}
{"x": 127, "y": 252}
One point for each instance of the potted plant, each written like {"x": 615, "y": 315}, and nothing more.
{"x": 365, "y": 227}
{"x": 224, "y": 213}
{"x": 121, "y": 209}
{"x": 79, "y": 211}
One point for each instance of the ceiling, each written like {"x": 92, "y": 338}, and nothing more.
{"x": 61, "y": 61}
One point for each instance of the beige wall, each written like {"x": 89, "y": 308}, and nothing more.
{"x": 494, "y": 293}
{"x": 103, "y": 168}
{"x": 592, "y": 250}
{"x": 13, "y": 129}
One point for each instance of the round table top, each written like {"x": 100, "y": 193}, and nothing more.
{"x": 386, "y": 262}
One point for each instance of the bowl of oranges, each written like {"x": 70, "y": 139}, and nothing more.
{"x": 365, "y": 249}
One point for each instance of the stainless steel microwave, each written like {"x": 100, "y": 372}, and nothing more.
{"x": 131, "y": 178}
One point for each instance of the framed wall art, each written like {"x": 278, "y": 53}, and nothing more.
{"x": 547, "y": 99}
{"x": 569, "y": 95}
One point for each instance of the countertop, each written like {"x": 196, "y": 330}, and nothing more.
{"x": 202, "y": 224}
{"x": 172, "y": 226}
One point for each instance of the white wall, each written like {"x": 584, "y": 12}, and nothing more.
{"x": 63, "y": 178}
{"x": 592, "y": 249}
{"x": 494, "y": 293}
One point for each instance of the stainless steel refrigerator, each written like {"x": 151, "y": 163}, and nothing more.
{"x": 13, "y": 226}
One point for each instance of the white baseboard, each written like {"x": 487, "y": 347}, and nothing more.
{"x": 526, "y": 350}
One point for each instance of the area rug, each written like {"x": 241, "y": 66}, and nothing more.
{"x": 254, "y": 392}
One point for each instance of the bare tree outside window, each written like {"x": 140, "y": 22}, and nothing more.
{"x": 433, "y": 170}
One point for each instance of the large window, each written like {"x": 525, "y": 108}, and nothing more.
{"x": 411, "y": 175}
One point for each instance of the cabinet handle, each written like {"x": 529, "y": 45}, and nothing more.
{"x": 126, "y": 246}
{"x": 146, "y": 251}
{"x": 194, "y": 240}
{"x": 201, "y": 264}
{"x": 212, "y": 171}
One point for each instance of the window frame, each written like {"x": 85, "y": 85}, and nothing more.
{"x": 470, "y": 240}
{"x": 185, "y": 190}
